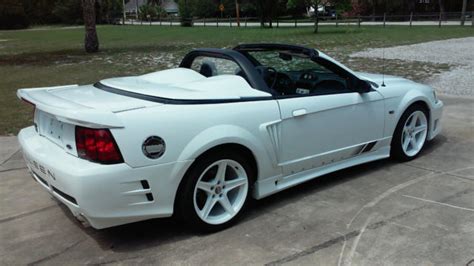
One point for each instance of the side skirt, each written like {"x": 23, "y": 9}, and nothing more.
{"x": 272, "y": 185}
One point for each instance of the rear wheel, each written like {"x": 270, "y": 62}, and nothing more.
{"x": 410, "y": 134}
{"x": 215, "y": 191}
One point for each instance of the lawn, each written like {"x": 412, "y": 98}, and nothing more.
{"x": 54, "y": 56}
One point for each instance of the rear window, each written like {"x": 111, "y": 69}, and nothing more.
{"x": 212, "y": 66}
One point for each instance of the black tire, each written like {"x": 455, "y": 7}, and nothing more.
{"x": 396, "y": 149}
{"x": 184, "y": 207}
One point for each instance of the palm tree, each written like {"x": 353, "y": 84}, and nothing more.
{"x": 91, "y": 42}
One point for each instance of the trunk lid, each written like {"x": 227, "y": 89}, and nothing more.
{"x": 59, "y": 109}
{"x": 82, "y": 105}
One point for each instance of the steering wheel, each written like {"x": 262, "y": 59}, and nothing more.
{"x": 267, "y": 73}
{"x": 271, "y": 71}
{"x": 284, "y": 84}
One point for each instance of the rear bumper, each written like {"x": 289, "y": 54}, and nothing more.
{"x": 435, "y": 120}
{"x": 105, "y": 195}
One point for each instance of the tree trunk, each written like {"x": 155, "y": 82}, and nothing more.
{"x": 316, "y": 21}
{"x": 91, "y": 42}
{"x": 374, "y": 8}
{"x": 441, "y": 9}
{"x": 463, "y": 12}
{"x": 411, "y": 6}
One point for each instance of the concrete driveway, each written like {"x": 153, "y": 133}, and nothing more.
{"x": 420, "y": 212}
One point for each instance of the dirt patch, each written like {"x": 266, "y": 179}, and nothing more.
{"x": 458, "y": 54}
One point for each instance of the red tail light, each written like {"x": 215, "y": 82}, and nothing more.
{"x": 97, "y": 145}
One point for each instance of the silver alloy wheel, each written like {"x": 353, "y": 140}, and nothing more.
{"x": 414, "y": 133}
{"x": 220, "y": 191}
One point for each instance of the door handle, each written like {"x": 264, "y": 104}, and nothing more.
{"x": 299, "y": 112}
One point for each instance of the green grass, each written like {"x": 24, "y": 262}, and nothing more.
{"x": 54, "y": 56}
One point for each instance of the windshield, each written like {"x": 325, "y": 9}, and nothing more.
{"x": 294, "y": 72}
{"x": 287, "y": 61}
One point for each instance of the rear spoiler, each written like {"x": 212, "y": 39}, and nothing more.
{"x": 68, "y": 111}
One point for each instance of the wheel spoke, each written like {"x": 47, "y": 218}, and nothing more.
{"x": 413, "y": 143}
{"x": 205, "y": 186}
{"x": 406, "y": 141}
{"x": 419, "y": 129}
{"x": 231, "y": 184}
{"x": 413, "y": 121}
{"x": 225, "y": 203}
{"x": 208, "y": 206}
{"x": 405, "y": 130}
{"x": 221, "y": 168}
{"x": 217, "y": 200}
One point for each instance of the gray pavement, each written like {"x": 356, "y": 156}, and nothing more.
{"x": 420, "y": 212}
{"x": 458, "y": 53}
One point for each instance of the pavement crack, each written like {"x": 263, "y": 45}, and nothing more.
{"x": 36, "y": 262}
{"x": 21, "y": 215}
{"x": 341, "y": 254}
{"x": 313, "y": 249}
{"x": 464, "y": 178}
{"x": 401, "y": 186}
{"x": 357, "y": 239}
{"x": 13, "y": 169}
{"x": 11, "y": 156}
{"x": 117, "y": 261}
{"x": 440, "y": 203}
{"x": 355, "y": 233}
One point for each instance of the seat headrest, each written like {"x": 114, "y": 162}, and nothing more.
{"x": 208, "y": 69}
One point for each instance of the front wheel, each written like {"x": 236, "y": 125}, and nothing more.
{"x": 410, "y": 134}
{"x": 215, "y": 191}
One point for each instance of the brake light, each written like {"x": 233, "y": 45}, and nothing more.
{"x": 97, "y": 145}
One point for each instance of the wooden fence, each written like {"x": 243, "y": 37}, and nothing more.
{"x": 434, "y": 19}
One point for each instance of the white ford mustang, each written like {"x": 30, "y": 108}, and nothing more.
{"x": 229, "y": 124}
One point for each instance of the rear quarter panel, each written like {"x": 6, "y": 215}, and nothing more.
{"x": 190, "y": 130}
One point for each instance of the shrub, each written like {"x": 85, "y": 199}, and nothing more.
{"x": 154, "y": 12}
{"x": 185, "y": 13}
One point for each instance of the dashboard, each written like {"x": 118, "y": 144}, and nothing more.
{"x": 309, "y": 82}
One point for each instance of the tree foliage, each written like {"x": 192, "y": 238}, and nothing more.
{"x": 12, "y": 15}
{"x": 68, "y": 11}
{"x": 295, "y": 8}
{"x": 203, "y": 8}
{"x": 21, "y": 13}
{"x": 40, "y": 11}
{"x": 151, "y": 12}
{"x": 108, "y": 10}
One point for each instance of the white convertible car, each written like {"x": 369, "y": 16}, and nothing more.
{"x": 200, "y": 140}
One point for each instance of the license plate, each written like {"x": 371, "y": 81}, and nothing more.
{"x": 50, "y": 127}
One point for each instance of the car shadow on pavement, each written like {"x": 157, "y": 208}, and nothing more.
{"x": 157, "y": 232}
{"x": 433, "y": 145}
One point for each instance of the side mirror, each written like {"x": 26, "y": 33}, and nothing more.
{"x": 362, "y": 86}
